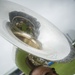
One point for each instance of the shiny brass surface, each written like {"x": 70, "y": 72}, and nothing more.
{"x": 26, "y": 31}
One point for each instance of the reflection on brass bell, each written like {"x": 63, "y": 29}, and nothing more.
{"x": 24, "y": 29}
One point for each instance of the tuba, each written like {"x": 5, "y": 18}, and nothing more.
{"x": 37, "y": 41}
